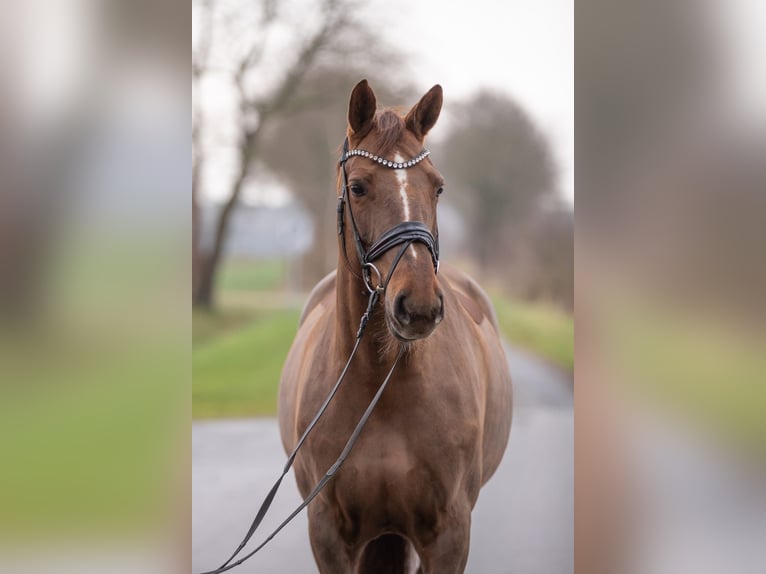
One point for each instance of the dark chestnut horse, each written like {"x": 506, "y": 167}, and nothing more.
{"x": 404, "y": 495}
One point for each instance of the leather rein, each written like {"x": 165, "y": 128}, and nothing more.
{"x": 405, "y": 234}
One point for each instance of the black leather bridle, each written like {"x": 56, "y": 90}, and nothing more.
{"x": 405, "y": 234}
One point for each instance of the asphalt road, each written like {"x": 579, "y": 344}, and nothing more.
{"x": 522, "y": 523}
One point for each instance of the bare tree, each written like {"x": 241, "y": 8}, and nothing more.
{"x": 262, "y": 101}
{"x": 540, "y": 257}
{"x": 200, "y": 58}
{"x": 499, "y": 167}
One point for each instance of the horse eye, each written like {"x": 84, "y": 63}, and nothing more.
{"x": 357, "y": 189}
{"x": 440, "y": 190}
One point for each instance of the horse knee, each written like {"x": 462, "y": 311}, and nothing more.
{"x": 448, "y": 552}
{"x": 327, "y": 546}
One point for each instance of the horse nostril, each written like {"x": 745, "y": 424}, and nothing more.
{"x": 440, "y": 314}
{"x": 400, "y": 310}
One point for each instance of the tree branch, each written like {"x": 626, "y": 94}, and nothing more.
{"x": 202, "y": 54}
{"x": 334, "y": 20}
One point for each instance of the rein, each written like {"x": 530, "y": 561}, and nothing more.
{"x": 403, "y": 234}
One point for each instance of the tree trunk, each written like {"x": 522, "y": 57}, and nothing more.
{"x": 202, "y": 296}
{"x": 199, "y": 64}
{"x": 203, "y": 293}
{"x": 196, "y": 222}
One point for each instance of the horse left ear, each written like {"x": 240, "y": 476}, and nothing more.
{"x": 424, "y": 114}
{"x": 361, "y": 109}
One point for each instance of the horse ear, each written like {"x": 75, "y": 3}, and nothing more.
{"x": 361, "y": 109}
{"x": 424, "y": 114}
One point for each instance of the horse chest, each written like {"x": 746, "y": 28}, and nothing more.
{"x": 392, "y": 485}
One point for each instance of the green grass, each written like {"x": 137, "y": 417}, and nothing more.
{"x": 256, "y": 275}
{"x": 238, "y": 351}
{"x": 208, "y": 326}
{"x": 545, "y": 330}
{"x": 236, "y": 373}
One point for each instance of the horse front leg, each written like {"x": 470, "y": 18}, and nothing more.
{"x": 447, "y": 553}
{"x": 331, "y": 553}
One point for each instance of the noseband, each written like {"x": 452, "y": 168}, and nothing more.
{"x": 405, "y": 233}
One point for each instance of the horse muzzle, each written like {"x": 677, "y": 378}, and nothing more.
{"x": 411, "y": 318}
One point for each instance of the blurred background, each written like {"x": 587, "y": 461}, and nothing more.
{"x": 670, "y": 111}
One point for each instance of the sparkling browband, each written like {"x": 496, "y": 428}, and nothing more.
{"x": 384, "y": 162}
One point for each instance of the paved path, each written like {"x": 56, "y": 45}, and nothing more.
{"x": 522, "y": 523}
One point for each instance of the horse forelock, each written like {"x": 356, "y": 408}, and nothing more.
{"x": 389, "y": 129}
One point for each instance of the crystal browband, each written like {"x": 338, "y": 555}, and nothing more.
{"x": 387, "y": 163}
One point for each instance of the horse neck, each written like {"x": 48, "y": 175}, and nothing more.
{"x": 352, "y": 298}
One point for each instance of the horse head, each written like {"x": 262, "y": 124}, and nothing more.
{"x": 392, "y": 188}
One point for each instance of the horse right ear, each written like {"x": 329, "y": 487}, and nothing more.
{"x": 423, "y": 116}
{"x": 361, "y": 109}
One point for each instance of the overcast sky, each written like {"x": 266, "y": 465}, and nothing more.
{"x": 520, "y": 47}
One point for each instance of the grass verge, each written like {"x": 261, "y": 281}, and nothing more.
{"x": 252, "y": 275}
{"x": 236, "y": 373}
{"x": 542, "y": 329}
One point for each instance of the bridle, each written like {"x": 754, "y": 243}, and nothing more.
{"x": 405, "y": 234}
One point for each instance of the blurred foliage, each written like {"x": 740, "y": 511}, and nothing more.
{"x": 498, "y": 166}
{"x": 539, "y": 259}
{"x": 502, "y": 176}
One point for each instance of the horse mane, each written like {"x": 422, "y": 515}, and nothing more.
{"x": 389, "y": 127}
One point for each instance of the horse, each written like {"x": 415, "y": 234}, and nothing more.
{"x": 402, "y": 501}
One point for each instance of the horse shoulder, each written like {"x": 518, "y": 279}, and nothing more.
{"x": 321, "y": 291}
{"x": 472, "y": 297}
{"x": 499, "y": 395}
{"x": 291, "y": 381}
